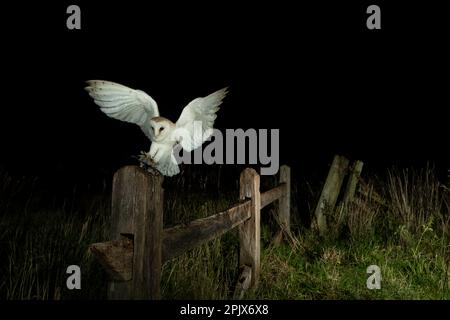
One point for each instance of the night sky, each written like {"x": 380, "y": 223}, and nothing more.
{"x": 312, "y": 70}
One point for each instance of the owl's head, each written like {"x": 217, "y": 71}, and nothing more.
{"x": 161, "y": 128}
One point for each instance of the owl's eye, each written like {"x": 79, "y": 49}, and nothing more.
{"x": 162, "y": 128}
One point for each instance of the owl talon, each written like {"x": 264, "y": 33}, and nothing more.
{"x": 147, "y": 163}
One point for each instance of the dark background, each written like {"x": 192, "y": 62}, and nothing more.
{"x": 312, "y": 70}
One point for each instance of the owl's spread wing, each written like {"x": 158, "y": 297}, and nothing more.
{"x": 120, "y": 102}
{"x": 196, "y": 121}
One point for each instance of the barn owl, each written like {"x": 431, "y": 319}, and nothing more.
{"x": 123, "y": 103}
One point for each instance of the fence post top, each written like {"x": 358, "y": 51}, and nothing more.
{"x": 249, "y": 172}
{"x": 284, "y": 169}
{"x": 130, "y": 168}
{"x": 134, "y": 169}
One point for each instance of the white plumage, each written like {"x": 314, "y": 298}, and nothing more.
{"x": 193, "y": 127}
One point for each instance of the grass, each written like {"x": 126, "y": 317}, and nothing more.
{"x": 399, "y": 223}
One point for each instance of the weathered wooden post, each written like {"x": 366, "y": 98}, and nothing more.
{"x": 133, "y": 258}
{"x": 330, "y": 191}
{"x": 353, "y": 181}
{"x": 249, "y": 231}
{"x": 284, "y": 205}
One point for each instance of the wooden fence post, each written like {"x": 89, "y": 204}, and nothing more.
{"x": 137, "y": 214}
{"x": 330, "y": 191}
{"x": 249, "y": 231}
{"x": 284, "y": 208}
{"x": 284, "y": 205}
{"x": 353, "y": 181}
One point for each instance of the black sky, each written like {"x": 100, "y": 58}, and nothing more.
{"x": 312, "y": 70}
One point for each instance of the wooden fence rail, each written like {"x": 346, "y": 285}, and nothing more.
{"x": 140, "y": 245}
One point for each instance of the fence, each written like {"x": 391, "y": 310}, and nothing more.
{"x": 140, "y": 245}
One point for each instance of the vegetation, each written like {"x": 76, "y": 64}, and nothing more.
{"x": 399, "y": 223}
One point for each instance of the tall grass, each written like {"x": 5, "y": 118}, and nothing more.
{"x": 38, "y": 244}
{"x": 417, "y": 200}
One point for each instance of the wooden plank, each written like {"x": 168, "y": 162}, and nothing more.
{"x": 249, "y": 231}
{"x": 273, "y": 194}
{"x": 177, "y": 240}
{"x": 330, "y": 191}
{"x": 353, "y": 181}
{"x": 244, "y": 282}
{"x": 137, "y": 212}
{"x": 116, "y": 257}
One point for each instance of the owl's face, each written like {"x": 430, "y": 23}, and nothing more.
{"x": 161, "y": 128}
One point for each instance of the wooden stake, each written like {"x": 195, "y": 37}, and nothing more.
{"x": 249, "y": 231}
{"x": 353, "y": 181}
{"x": 284, "y": 204}
{"x": 330, "y": 191}
{"x": 137, "y": 214}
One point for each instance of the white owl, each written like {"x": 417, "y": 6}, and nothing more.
{"x": 135, "y": 106}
